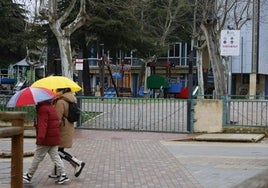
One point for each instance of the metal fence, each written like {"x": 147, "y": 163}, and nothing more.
{"x": 137, "y": 114}
{"x": 156, "y": 115}
{"x": 245, "y": 112}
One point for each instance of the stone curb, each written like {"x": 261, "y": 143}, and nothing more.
{"x": 230, "y": 137}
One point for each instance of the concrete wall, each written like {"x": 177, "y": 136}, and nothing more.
{"x": 208, "y": 115}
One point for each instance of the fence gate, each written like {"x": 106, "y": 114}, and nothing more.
{"x": 135, "y": 114}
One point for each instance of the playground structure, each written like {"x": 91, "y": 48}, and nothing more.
{"x": 120, "y": 78}
{"x": 6, "y": 81}
{"x": 13, "y": 78}
{"x": 164, "y": 86}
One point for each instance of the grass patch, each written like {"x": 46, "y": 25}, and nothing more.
{"x": 86, "y": 115}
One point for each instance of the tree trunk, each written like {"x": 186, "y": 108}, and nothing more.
{"x": 214, "y": 54}
{"x": 67, "y": 65}
{"x": 86, "y": 76}
{"x": 199, "y": 63}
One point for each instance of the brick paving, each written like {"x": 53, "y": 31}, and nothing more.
{"x": 120, "y": 160}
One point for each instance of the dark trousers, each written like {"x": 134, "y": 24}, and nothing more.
{"x": 68, "y": 157}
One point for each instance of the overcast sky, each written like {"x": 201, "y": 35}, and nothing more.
{"x": 30, "y": 5}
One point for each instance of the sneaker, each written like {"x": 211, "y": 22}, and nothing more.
{"x": 79, "y": 169}
{"x": 62, "y": 178}
{"x": 27, "y": 178}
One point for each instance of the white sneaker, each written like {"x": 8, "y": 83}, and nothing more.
{"x": 27, "y": 178}
{"x": 62, "y": 178}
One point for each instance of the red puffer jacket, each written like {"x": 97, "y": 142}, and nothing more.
{"x": 47, "y": 125}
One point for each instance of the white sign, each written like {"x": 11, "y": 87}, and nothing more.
{"x": 79, "y": 64}
{"x": 230, "y": 42}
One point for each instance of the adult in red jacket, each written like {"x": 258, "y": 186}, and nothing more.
{"x": 47, "y": 141}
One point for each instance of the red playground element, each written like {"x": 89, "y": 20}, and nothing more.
{"x": 184, "y": 94}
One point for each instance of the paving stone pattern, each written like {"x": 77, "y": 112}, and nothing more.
{"x": 119, "y": 159}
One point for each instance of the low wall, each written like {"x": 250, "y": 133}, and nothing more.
{"x": 208, "y": 115}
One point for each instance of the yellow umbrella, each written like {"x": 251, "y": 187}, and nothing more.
{"x": 57, "y": 82}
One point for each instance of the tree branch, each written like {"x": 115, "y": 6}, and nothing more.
{"x": 80, "y": 19}
{"x": 67, "y": 12}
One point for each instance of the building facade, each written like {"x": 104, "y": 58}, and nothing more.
{"x": 250, "y": 68}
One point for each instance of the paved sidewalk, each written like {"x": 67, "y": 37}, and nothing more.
{"x": 119, "y": 159}
{"x": 223, "y": 164}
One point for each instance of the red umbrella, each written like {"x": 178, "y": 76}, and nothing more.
{"x": 30, "y": 96}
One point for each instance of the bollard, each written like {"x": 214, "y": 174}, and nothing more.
{"x": 16, "y": 132}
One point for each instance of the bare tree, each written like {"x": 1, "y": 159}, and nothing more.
{"x": 216, "y": 16}
{"x": 199, "y": 44}
{"x": 164, "y": 18}
{"x": 57, "y": 20}
{"x": 165, "y": 21}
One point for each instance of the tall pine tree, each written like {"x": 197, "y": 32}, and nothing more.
{"x": 12, "y": 33}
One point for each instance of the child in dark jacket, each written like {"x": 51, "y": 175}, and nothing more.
{"x": 47, "y": 141}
